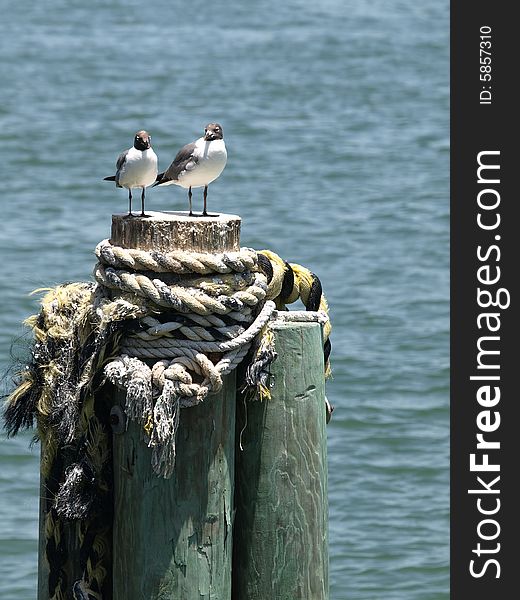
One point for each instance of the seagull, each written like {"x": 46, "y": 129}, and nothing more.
{"x": 136, "y": 168}
{"x": 198, "y": 164}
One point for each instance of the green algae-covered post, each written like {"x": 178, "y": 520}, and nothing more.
{"x": 280, "y": 529}
{"x": 173, "y": 537}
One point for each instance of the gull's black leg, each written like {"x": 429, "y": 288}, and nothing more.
{"x": 204, "y": 212}
{"x": 189, "y": 198}
{"x": 142, "y": 204}
{"x": 130, "y": 202}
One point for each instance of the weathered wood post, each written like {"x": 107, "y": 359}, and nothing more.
{"x": 173, "y": 537}
{"x": 280, "y": 529}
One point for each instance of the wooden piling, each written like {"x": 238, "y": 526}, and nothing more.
{"x": 280, "y": 529}
{"x": 173, "y": 537}
{"x": 168, "y": 231}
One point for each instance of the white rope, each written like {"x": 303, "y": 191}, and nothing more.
{"x": 178, "y": 261}
{"x": 301, "y": 316}
{"x": 213, "y": 304}
{"x": 182, "y": 298}
{"x": 165, "y": 347}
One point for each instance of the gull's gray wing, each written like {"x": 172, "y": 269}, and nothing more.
{"x": 121, "y": 159}
{"x": 184, "y": 161}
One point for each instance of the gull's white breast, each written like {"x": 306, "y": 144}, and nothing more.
{"x": 139, "y": 169}
{"x": 212, "y": 157}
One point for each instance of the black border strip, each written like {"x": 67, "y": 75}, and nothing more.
{"x": 484, "y": 128}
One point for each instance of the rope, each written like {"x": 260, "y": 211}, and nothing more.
{"x": 219, "y": 314}
{"x": 301, "y": 316}
{"x": 175, "y": 262}
{"x": 188, "y": 317}
{"x": 214, "y": 314}
{"x": 163, "y": 347}
{"x": 289, "y": 282}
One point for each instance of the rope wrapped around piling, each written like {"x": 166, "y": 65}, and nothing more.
{"x": 177, "y": 309}
{"x": 203, "y": 304}
{"x": 166, "y": 328}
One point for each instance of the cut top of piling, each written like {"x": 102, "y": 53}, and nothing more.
{"x": 169, "y": 231}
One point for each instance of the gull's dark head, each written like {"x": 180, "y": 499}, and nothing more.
{"x": 213, "y": 131}
{"x": 142, "y": 140}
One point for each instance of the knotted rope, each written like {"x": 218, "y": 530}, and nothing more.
{"x": 198, "y": 304}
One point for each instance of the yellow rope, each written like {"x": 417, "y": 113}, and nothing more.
{"x": 302, "y": 285}
{"x": 275, "y": 285}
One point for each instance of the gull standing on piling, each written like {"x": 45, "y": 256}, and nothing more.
{"x": 136, "y": 168}
{"x": 198, "y": 164}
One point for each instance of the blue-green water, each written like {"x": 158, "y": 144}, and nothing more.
{"x": 336, "y": 120}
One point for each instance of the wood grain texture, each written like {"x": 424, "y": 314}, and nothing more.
{"x": 280, "y": 530}
{"x": 168, "y": 231}
{"x": 173, "y": 537}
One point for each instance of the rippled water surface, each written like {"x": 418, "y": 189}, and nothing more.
{"x": 336, "y": 121}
